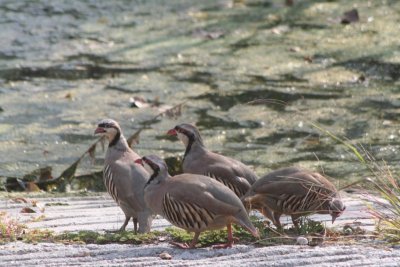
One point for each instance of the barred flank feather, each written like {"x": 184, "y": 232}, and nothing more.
{"x": 186, "y": 215}
{"x": 109, "y": 183}
{"x": 237, "y": 190}
{"x": 312, "y": 201}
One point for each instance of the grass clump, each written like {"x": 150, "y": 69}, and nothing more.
{"x": 92, "y": 237}
{"x": 268, "y": 236}
{"x": 387, "y": 212}
{"x": 386, "y": 207}
{"x": 10, "y": 229}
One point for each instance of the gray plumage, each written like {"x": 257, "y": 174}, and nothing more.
{"x": 123, "y": 179}
{"x": 193, "y": 202}
{"x": 198, "y": 160}
{"x": 296, "y": 192}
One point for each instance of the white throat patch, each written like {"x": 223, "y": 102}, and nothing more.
{"x": 148, "y": 168}
{"x": 183, "y": 138}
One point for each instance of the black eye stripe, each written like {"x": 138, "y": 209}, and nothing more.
{"x": 106, "y": 125}
{"x": 183, "y": 131}
{"x": 151, "y": 164}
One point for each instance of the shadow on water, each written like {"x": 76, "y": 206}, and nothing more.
{"x": 371, "y": 66}
{"x": 226, "y": 101}
{"x": 70, "y": 72}
{"x": 278, "y": 136}
{"x": 193, "y": 45}
{"x": 357, "y": 130}
{"x": 209, "y": 121}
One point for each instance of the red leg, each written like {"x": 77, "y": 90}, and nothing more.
{"x": 230, "y": 239}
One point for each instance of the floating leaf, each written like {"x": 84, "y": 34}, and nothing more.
{"x": 350, "y": 17}
{"x": 174, "y": 112}
{"x": 69, "y": 96}
{"x": 138, "y": 102}
{"x": 69, "y": 173}
{"x": 308, "y": 59}
{"x": 92, "y": 181}
{"x": 39, "y": 174}
{"x": 27, "y": 210}
{"x": 19, "y": 200}
{"x": 32, "y": 187}
{"x": 289, "y": 2}
{"x": 134, "y": 139}
{"x": 14, "y": 184}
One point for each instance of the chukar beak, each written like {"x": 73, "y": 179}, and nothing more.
{"x": 296, "y": 192}
{"x": 198, "y": 160}
{"x": 123, "y": 179}
{"x": 193, "y": 202}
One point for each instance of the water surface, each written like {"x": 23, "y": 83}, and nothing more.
{"x": 65, "y": 65}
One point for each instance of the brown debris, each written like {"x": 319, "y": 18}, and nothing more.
{"x": 27, "y": 210}
{"x": 350, "y": 16}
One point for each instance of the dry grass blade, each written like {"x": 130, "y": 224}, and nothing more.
{"x": 334, "y": 137}
{"x": 174, "y": 112}
{"x": 134, "y": 139}
{"x": 262, "y": 101}
{"x": 92, "y": 151}
{"x": 386, "y": 208}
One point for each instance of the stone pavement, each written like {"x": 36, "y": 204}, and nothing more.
{"x": 99, "y": 213}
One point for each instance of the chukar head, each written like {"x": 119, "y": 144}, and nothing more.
{"x": 336, "y": 208}
{"x": 108, "y": 128}
{"x": 187, "y": 133}
{"x": 155, "y": 166}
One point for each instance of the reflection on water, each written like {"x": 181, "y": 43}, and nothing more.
{"x": 64, "y": 66}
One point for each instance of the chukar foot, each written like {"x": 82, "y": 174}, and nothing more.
{"x": 182, "y": 245}
{"x": 231, "y": 240}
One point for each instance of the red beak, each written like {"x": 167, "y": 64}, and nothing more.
{"x": 99, "y": 130}
{"x": 172, "y": 132}
{"x": 139, "y": 161}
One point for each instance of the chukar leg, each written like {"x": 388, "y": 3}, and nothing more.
{"x": 195, "y": 239}
{"x": 127, "y": 218}
{"x": 145, "y": 219}
{"x": 276, "y": 220}
{"x": 268, "y": 213}
{"x": 296, "y": 221}
{"x": 135, "y": 223}
{"x": 230, "y": 239}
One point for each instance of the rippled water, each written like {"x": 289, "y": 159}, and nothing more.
{"x": 64, "y": 66}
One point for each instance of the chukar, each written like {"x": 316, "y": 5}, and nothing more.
{"x": 123, "y": 178}
{"x": 296, "y": 192}
{"x": 193, "y": 202}
{"x": 198, "y": 160}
